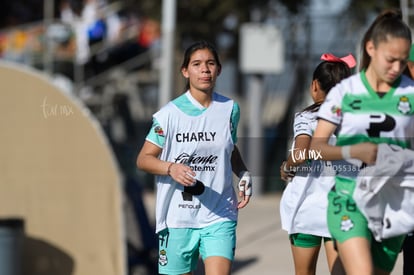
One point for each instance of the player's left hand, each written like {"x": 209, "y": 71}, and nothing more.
{"x": 245, "y": 188}
{"x": 285, "y": 174}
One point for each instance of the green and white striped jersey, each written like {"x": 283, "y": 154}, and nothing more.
{"x": 364, "y": 116}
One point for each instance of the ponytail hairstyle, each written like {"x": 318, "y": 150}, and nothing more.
{"x": 388, "y": 24}
{"x": 329, "y": 73}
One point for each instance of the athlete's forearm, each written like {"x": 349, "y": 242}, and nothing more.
{"x": 237, "y": 162}
{"x": 153, "y": 165}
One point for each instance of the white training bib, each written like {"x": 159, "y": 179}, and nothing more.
{"x": 204, "y": 143}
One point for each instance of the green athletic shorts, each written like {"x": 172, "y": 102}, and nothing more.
{"x": 180, "y": 248}
{"x": 345, "y": 221}
{"x": 306, "y": 240}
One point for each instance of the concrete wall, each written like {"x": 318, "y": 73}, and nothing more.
{"x": 58, "y": 174}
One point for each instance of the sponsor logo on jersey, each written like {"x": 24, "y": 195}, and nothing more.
{"x": 195, "y": 136}
{"x": 356, "y": 104}
{"x": 189, "y": 206}
{"x": 198, "y": 163}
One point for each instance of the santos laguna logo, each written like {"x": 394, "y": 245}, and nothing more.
{"x": 304, "y": 154}
{"x": 197, "y": 162}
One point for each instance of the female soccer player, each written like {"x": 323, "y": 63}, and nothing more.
{"x": 191, "y": 148}
{"x": 369, "y": 108}
{"x": 304, "y": 200}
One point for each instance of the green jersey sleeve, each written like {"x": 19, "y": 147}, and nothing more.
{"x": 234, "y": 121}
{"x": 156, "y": 134}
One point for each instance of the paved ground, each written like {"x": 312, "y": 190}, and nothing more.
{"x": 262, "y": 247}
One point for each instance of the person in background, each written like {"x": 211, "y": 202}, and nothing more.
{"x": 368, "y": 109}
{"x": 304, "y": 201}
{"x": 191, "y": 150}
{"x": 408, "y": 246}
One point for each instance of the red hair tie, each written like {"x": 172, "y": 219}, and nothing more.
{"x": 348, "y": 60}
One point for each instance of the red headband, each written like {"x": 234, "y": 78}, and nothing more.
{"x": 348, "y": 60}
